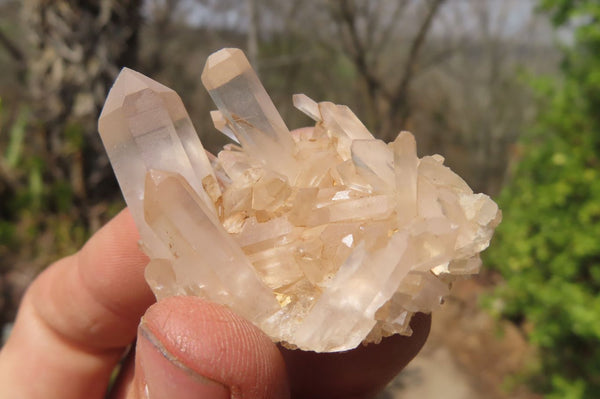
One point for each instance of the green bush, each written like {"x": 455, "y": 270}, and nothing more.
{"x": 548, "y": 247}
{"x": 40, "y": 217}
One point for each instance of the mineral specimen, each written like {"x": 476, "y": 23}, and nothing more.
{"x": 324, "y": 239}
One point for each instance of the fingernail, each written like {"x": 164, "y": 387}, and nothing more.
{"x": 166, "y": 377}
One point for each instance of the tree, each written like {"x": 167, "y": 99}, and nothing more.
{"x": 55, "y": 180}
{"x": 548, "y": 247}
{"x": 446, "y": 70}
{"x": 367, "y": 31}
{"x": 78, "y": 49}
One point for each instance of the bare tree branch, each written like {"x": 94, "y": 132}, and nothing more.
{"x": 358, "y": 52}
{"x": 14, "y": 52}
{"x": 252, "y": 37}
{"x": 440, "y": 57}
{"x": 163, "y": 16}
{"x": 11, "y": 48}
{"x": 365, "y": 52}
{"x": 399, "y": 99}
{"x": 385, "y": 35}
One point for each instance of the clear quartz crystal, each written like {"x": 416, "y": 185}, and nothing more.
{"x": 323, "y": 239}
{"x": 253, "y": 117}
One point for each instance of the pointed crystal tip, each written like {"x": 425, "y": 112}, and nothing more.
{"x": 128, "y": 82}
{"x": 222, "y": 66}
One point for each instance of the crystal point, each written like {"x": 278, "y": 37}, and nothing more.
{"x": 144, "y": 125}
{"x": 307, "y": 105}
{"x": 254, "y": 119}
{"x": 324, "y": 239}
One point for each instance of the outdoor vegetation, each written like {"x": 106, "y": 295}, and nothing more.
{"x": 548, "y": 247}
{"x": 508, "y": 91}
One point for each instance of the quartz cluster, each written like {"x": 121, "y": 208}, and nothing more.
{"x": 324, "y": 239}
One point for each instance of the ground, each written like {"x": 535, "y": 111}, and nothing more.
{"x": 468, "y": 355}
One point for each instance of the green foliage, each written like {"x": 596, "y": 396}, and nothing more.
{"x": 41, "y": 219}
{"x": 14, "y": 149}
{"x": 548, "y": 247}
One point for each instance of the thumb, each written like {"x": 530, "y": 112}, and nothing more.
{"x": 190, "y": 348}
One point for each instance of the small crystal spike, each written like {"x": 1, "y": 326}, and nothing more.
{"x": 405, "y": 171}
{"x": 307, "y": 105}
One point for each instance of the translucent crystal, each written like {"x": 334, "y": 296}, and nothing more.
{"x": 222, "y": 125}
{"x": 308, "y": 106}
{"x": 144, "y": 126}
{"x": 406, "y": 163}
{"x": 253, "y": 117}
{"x": 180, "y": 218}
{"x": 323, "y": 239}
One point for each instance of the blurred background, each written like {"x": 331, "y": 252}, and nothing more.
{"x": 508, "y": 91}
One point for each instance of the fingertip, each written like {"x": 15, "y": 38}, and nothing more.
{"x": 218, "y": 345}
{"x": 161, "y": 375}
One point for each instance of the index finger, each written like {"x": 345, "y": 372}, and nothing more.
{"x": 77, "y": 318}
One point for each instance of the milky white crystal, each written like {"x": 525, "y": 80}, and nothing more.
{"x": 324, "y": 239}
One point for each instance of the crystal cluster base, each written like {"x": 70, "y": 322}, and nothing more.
{"x": 324, "y": 239}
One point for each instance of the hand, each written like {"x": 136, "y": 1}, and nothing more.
{"x": 79, "y": 317}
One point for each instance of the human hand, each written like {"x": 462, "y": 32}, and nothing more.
{"x": 78, "y": 318}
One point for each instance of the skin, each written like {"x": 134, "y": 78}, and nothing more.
{"x": 87, "y": 312}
